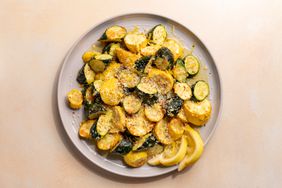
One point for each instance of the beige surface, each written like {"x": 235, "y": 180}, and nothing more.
{"x": 244, "y": 38}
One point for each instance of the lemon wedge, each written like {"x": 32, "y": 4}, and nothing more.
{"x": 154, "y": 161}
{"x": 174, "y": 152}
{"x": 195, "y": 147}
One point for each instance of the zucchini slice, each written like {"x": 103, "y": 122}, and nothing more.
{"x": 144, "y": 142}
{"x": 150, "y": 50}
{"x": 128, "y": 78}
{"x": 95, "y": 109}
{"x": 97, "y": 85}
{"x": 164, "y": 59}
{"x": 93, "y": 131}
{"x": 183, "y": 90}
{"x": 135, "y": 42}
{"x": 126, "y": 58}
{"x": 106, "y": 58}
{"x": 161, "y": 132}
{"x": 87, "y": 56}
{"x": 136, "y": 159}
{"x": 111, "y": 92}
{"x": 75, "y": 99}
{"x": 88, "y": 95}
{"x": 138, "y": 125}
{"x": 131, "y": 104}
{"x": 201, "y": 90}
{"x": 141, "y": 63}
{"x": 113, "y": 34}
{"x": 158, "y": 34}
{"x": 179, "y": 71}
{"x": 154, "y": 113}
{"x": 105, "y": 123}
{"x": 192, "y": 65}
{"x": 124, "y": 147}
{"x": 109, "y": 141}
{"x": 198, "y": 113}
{"x": 175, "y": 48}
{"x": 85, "y": 75}
{"x": 97, "y": 65}
{"x": 148, "y": 99}
{"x": 84, "y": 129}
{"x": 111, "y": 48}
{"x": 173, "y": 105}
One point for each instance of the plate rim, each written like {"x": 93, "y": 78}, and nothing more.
{"x": 65, "y": 60}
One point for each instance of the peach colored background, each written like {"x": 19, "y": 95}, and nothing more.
{"x": 245, "y": 39}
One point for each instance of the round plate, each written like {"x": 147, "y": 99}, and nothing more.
{"x": 72, "y": 63}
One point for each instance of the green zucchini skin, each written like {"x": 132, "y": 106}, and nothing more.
{"x": 153, "y": 34}
{"x": 146, "y": 98}
{"x": 106, "y": 58}
{"x": 107, "y": 38}
{"x": 81, "y": 76}
{"x": 97, "y": 65}
{"x": 164, "y": 59}
{"x": 149, "y": 142}
{"x": 124, "y": 147}
{"x": 192, "y": 72}
{"x": 199, "y": 87}
{"x": 141, "y": 63}
{"x": 93, "y": 131}
{"x": 95, "y": 109}
{"x": 179, "y": 71}
{"x": 173, "y": 106}
{"x": 110, "y": 48}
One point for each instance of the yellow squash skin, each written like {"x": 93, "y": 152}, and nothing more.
{"x": 136, "y": 159}
{"x": 134, "y": 42}
{"x": 163, "y": 80}
{"x": 126, "y": 58}
{"x": 175, "y": 48}
{"x": 75, "y": 99}
{"x": 111, "y": 92}
{"x": 109, "y": 141}
{"x": 198, "y": 113}
{"x": 84, "y": 129}
{"x": 161, "y": 132}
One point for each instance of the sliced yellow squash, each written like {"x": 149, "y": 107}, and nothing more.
{"x": 174, "y": 47}
{"x": 198, "y": 113}
{"x": 131, "y": 104}
{"x": 126, "y": 58}
{"x": 135, "y": 159}
{"x": 135, "y": 42}
{"x": 111, "y": 92}
{"x": 128, "y": 78}
{"x": 119, "y": 118}
{"x": 109, "y": 141}
{"x": 163, "y": 80}
{"x": 175, "y": 128}
{"x": 84, "y": 128}
{"x": 138, "y": 125}
{"x": 154, "y": 113}
{"x": 161, "y": 132}
{"x": 75, "y": 99}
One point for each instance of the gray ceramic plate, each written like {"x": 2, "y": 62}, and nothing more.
{"x": 73, "y": 63}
